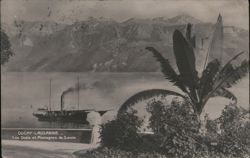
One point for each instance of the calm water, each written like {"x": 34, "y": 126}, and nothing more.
{"x": 24, "y": 92}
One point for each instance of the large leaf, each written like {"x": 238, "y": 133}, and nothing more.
{"x": 185, "y": 60}
{"x": 222, "y": 92}
{"x": 188, "y": 32}
{"x": 236, "y": 74}
{"x": 230, "y": 79}
{"x": 228, "y": 67}
{"x": 190, "y": 39}
{"x": 167, "y": 69}
{"x": 208, "y": 78}
{"x": 146, "y": 94}
{"x": 215, "y": 50}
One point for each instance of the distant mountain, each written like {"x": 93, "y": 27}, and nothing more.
{"x": 107, "y": 45}
{"x": 183, "y": 19}
{"x": 39, "y": 28}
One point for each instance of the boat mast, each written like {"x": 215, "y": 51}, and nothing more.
{"x": 50, "y": 95}
{"x": 78, "y": 91}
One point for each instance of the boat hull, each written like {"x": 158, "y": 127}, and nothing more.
{"x": 79, "y": 116}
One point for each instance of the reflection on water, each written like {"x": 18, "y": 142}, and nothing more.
{"x": 24, "y": 92}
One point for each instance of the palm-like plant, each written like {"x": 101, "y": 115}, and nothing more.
{"x": 214, "y": 81}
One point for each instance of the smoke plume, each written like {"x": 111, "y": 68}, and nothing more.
{"x": 74, "y": 89}
{"x": 101, "y": 85}
{"x": 105, "y": 86}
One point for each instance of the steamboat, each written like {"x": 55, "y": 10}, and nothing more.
{"x": 63, "y": 115}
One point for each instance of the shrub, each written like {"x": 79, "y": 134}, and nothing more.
{"x": 211, "y": 126}
{"x": 5, "y": 47}
{"x": 235, "y": 139}
{"x": 116, "y": 153}
{"x": 157, "y": 111}
{"x": 176, "y": 134}
{"x": 178, "y": 127}
{"x": 122, "y": 133}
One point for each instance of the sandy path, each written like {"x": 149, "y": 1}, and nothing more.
{"x": 26, "y": 152}
{"x": 32, "y": 149}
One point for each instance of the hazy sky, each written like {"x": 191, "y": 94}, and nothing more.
{"x": 234, "y": 12}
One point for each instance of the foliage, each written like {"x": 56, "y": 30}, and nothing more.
{"x": 167, "y": 69}
{"x": 212, "y": 126}
{"x": 178, "y": 128}
{"x": 5, "y": 46}
{"x": 235, "y": 138}
{"x": 157, "y": 111}
{"x": 176, "y": 133}
{"x": 198, "y": 90}
{"x": 147, "y": 94}
{"x": 122, "y": 132}
{"x": 185, "y": 60}
{"x": 213, "y": 81}
{"x": 177, "y": 114}
{"x": 116, "y": 153}
{"x": 176, "y": 125}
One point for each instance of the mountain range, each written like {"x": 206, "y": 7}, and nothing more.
{"x": 106, "y": 45}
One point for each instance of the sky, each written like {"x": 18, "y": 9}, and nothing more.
{"x": 234, "y": 12}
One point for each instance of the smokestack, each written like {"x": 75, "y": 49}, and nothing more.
{"x": 62, "y": 102}
{"x": 77, "y": 88}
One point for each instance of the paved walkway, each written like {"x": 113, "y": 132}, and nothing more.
{"x": 40, "y": 149}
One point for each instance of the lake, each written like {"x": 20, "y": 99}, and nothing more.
{"x": 23, "y": 92}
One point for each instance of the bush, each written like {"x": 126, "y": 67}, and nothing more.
{"x": 176, "y": 134}
{"x": 178, "y": 127}
{"x": 122, "y": 133}
{"x": 234, "y": 139}
{"x": 5, "y": 47}
{"x": 116, "y": 153}
{"x": 177, "y": 114}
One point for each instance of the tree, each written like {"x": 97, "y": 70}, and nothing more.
{"x": 5, "y": 46}
{"x": 197, "y": 90}
{"x": 122, "y": 132}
